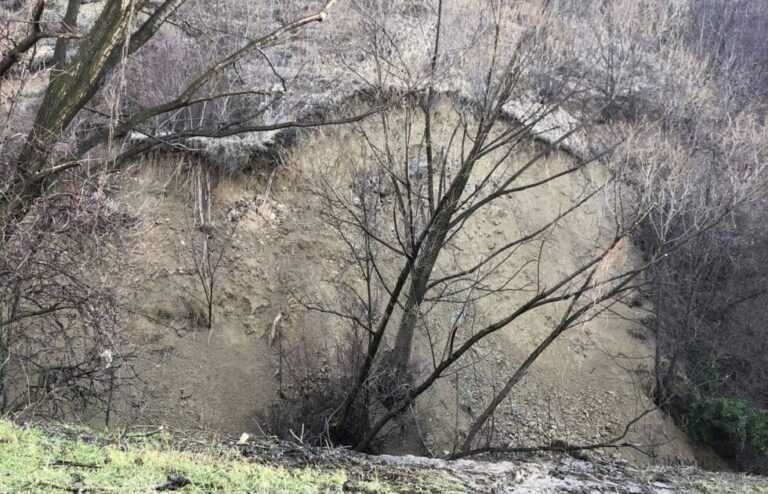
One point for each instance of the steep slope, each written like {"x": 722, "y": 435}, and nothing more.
{"x": 283, "y": 254}
{"x": 586, "y": 388}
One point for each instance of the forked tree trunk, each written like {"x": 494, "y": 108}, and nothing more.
{"x": 425, "y": 263}
{"x": 69, "y": 90}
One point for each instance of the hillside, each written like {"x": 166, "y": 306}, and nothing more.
{"x": 430, "y": 228}
{"x": 59, "y": 459}
{"x": 283, "y": 254}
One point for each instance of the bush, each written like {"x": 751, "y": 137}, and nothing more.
{"x": 314, "y": 378}
{"x": 735, "y": 428}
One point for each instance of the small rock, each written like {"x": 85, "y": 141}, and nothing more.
{"x": 175, "y": 481}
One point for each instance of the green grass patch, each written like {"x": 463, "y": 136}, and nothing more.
{"x": 32, "y": 461}
{"x": 720, "y": 487}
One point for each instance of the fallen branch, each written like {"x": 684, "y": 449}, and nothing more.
{"x": 74, "y": 464}
{"x": 563, "y": 447}
{"x": 76, "y": 489}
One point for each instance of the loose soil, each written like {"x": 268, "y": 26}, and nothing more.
{"x": 585, "y": 388}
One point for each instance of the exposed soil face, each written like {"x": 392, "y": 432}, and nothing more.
{"x": 225, "y": 376}
{"x": 220, "y": 382}
{"x": 585, "y": 388}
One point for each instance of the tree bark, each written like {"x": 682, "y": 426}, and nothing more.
{"x": 35, "y": 34}
{"x": 70, "y": 24}
{"x": 68, "y": 92}
{"x": 425, "y": 264}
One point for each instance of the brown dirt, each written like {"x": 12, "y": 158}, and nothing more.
{"x": 585, "y": 388}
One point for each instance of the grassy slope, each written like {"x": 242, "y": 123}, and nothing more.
{"x": 31, "y": 461}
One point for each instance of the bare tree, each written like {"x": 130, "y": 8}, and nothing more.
{"x": 14, "y": 53}
{"x": 697, "y": 286}
{"x": 87, "y": 125}
{"x": 112, "y": 39}
{"x": 418, "y": 186}
{"x": 414, "y": 199}
{"x": 63, "y": 353}
{"x": 208, "y": 242}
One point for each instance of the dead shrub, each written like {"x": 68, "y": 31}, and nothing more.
{"x": 314, "y": 378}
{"x": 63, "y": 354}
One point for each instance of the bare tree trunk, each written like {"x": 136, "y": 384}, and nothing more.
{"x": 419, "y": 279}
{"x": 427, "y": 257}
{"x": 13, "y": 56}
{"x": 4, "y": 359}
{"x": 70, "y": 24}
{"x": 205, "y": 263}
{"x": 659, "y": 394}
{"x": 67, "y": 93}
